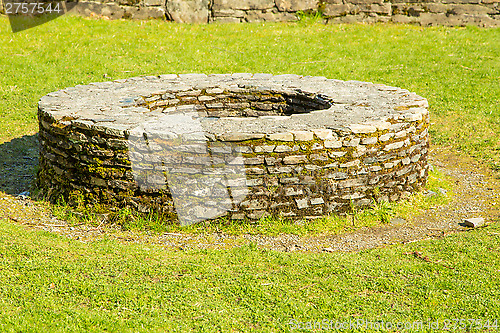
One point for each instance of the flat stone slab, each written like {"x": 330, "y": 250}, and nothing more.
{"x": 475, "y": 222}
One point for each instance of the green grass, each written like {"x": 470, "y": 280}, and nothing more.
{"x": 52, "y": 283}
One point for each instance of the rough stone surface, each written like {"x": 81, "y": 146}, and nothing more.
{"x": 286, "y": 145}
{"x": 474, "y": 222}
{"x": 296, "y": 5}
{"x": 192, "y": 11}
{"x": 242, "y": 4}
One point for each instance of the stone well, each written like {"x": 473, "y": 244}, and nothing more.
{"x": 195, "y": 146}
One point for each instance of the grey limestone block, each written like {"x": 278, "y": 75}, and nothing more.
{"x": 474, "y": 222}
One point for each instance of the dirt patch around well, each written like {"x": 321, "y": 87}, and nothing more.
{"x": 476, "y": 188}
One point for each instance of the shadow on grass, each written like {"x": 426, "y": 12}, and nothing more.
{"x": 18, "y": 164}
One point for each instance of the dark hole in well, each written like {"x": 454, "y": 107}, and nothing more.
{"x": 235, "y": 104}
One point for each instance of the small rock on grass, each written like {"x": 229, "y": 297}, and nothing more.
{"x": 293, "y": 247}
{"x": 475, "y": 222}
{"x": 23, "y": 195}
{"x": 397, "y": 221}
{"x": 430, "y": 193}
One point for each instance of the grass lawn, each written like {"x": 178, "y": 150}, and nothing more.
{"x": 52, "y": 283}
{"x": 49, "y": 283}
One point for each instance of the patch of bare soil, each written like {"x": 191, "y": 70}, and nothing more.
{"x": 476, "y": 188}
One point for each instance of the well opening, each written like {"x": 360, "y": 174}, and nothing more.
{"x": 245, "y": 102}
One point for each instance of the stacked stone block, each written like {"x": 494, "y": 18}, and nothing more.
{"x": 254, "y": 144}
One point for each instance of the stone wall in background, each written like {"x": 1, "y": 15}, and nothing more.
{"x": 483, "y": 13}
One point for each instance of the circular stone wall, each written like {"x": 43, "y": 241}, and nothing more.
{"x": 197, "y": 146}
